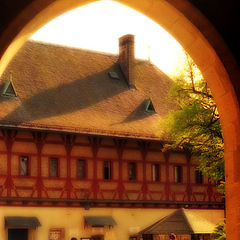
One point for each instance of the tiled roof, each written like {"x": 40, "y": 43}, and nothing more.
{"x": 174, "y": 223}
{"x": 67, "y": 89}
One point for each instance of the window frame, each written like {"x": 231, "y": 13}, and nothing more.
{"x": 7, "y": 84}
{"x": 85, "y": 168}
{"x": 181, "y": 174}
{"x": 28, "y": 166}
{"x": 58, "y": 167}
{"x": 135, "y": 171}
{"x": 110, "y": 171}
{"x": 159, "y": 172}
{"x": 198, "y": 176}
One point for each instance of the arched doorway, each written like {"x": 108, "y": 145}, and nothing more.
{"x": 199, "y": 39}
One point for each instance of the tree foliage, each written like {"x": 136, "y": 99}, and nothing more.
{"x": 194, "y": 126}
{"x": 219, "y": 232}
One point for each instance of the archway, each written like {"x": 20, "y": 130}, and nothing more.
{"x": 199, "y": 39}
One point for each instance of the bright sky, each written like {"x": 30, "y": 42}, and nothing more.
{"x": 98, "y": 26}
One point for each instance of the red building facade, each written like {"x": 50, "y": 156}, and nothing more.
{"x": 57, "y": 168}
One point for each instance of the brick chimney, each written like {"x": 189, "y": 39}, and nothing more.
{"x": 127, "y": 57}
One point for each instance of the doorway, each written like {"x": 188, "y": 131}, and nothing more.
{"x": 17, "y": 234}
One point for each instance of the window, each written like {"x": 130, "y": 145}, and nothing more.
{"x": 155, "y": 172}
{"x": 107, "y": 170}
{"x": 53, "y": 167}
{"x": 8, "y": 88}
{"x": 147, "y": 237}
{"x": 81, "y": 169}
{"x": 113, "y": 75}
{"x": 178, "y": 174}
{"x": 149, "y": 106}
{"x": 56, "y": 234}
{"x": 198, "y": 177}
{"x": 24, "y": 166}
{"x": 132, "y": 171}
{"x": 201, "y": 237}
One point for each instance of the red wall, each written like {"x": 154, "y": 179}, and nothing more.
{"x": 68, "y": 149}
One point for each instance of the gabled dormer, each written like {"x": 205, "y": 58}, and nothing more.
{"x": 149, "y": 106}
{"x": 8, "y": 89}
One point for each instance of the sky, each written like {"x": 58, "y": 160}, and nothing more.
{"x": 98, "y": 26}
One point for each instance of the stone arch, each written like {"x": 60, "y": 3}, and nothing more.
{"x": 197, "y": 36}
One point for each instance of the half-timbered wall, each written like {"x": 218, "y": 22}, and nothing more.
{"x": 36, "y": 184}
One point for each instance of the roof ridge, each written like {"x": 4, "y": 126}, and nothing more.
{"x": 72, "y": 47}
{"x": 139, "y": 60}
{"x": 186, "y": 219}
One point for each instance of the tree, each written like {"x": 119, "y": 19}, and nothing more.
{"x": 219, "y": 232}
{"x": 194, "y": 126}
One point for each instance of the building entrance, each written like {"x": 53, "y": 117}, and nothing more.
{"x": 17, "y": 234}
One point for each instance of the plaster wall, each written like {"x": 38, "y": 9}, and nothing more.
{"x": 71, "y": 220}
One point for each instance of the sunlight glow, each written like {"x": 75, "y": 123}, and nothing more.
{"x": 98, "y": 26}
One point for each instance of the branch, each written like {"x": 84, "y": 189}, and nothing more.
{"x": 196, "y": 92}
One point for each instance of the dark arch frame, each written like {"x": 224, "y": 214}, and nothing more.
{"x": 197, "y": 36}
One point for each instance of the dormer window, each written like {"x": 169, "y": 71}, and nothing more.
{"x": 149, "y": 106}
{"x": 113, "y": 75}
{"x": 8, "y": 89}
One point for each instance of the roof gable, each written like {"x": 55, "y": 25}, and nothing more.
{"x": 175, "y": 222}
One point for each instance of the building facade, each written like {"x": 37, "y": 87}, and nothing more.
{"x": 79, "y": 140}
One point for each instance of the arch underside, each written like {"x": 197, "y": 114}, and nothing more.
{"x": 197, "y": 36}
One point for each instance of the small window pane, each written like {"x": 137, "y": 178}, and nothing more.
{"x": 107, "y": 170}
{"x": 53, "y": 167}
{"x": 132, "y": 171}
{"x": 178, "y": 174}
{"x": 81, "y": 169}
{"x": 24, "y": 162}
{"x": 198, "y": 177}
{"x": 155, "y": 172}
